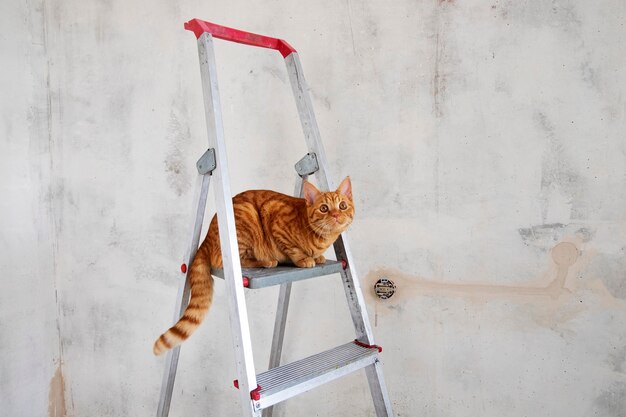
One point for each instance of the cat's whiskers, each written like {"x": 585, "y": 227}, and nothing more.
{"x": 327, "y": 226}
{"x": 314, "y": 229}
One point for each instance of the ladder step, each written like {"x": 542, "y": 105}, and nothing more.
{"x": 286, "y": 381}
{"x": 266, "y": 277}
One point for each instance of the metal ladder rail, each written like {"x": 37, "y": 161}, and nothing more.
{"x": 238, "y": 314}
{"x": 352, "y": 286}
{"x": 182, "y": 300}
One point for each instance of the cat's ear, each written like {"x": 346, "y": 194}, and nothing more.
{"x": 310, "y": 192}
{"x": 345, "y": 188}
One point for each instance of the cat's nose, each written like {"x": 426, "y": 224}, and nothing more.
{"x": 335, "y": 214}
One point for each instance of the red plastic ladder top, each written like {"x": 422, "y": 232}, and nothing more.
{"x": 198, "y": 27}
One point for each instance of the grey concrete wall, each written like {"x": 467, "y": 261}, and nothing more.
{"x": 479, "y": 137}
{"x": 31, "y": 373}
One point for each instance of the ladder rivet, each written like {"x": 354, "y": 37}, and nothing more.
{"x": 344, "y": 263}
{"x": 183, "y": 268}
{"x": 246, "y": 282}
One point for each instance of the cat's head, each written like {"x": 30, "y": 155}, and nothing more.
{"x": 329, "y": 212}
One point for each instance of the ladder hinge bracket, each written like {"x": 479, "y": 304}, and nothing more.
{"x": 307, "y": 165}
{"x": 206, "y": 164}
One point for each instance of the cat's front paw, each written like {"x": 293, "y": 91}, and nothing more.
{"x": 320, "y": 260}
{"x": 305, "y": 262}
{"x": 270, "y": 264}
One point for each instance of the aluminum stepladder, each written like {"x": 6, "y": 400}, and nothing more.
{"x": 259, "y": 393}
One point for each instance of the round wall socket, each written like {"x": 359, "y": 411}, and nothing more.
{"x": 384, "y": 288}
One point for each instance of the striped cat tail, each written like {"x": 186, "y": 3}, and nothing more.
{"x": 201, "y": 284}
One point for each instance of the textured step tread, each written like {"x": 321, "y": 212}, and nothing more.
{"x": 267, "y": 277}
{"x": 302, "y": 375}
{"x": 318, "y": 364}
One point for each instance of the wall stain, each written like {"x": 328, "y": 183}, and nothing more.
{"x": 557, "y": 174}
{"x": 439, "y": 79}
{"x": 617, "y": 360}
{"x": 589, "y": 75}
{"x": 557, "y": 292}
{"x": 564, "y": 255}
{"x": 561, "y": 15}
{"x": 178, "y": 176}
{"x": 544, "y": 236}
{"x": 56, "y": 395}
{"x": 445, "y": 59}
{"x": 610, "y": 269}
{"x": 542, "y": 232}
{"x": 324, "y": 100}
{"x": 612, "y": 401}
{"x": 279, "y": 74}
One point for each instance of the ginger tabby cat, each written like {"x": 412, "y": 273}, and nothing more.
{"x": 272, "y": 228}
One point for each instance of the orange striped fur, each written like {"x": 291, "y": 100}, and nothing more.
{"x": 272, "y": 228}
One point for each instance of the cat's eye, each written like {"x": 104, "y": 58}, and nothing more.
{"x": 323, "y": 208}
{"x": 343, "y": 205}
